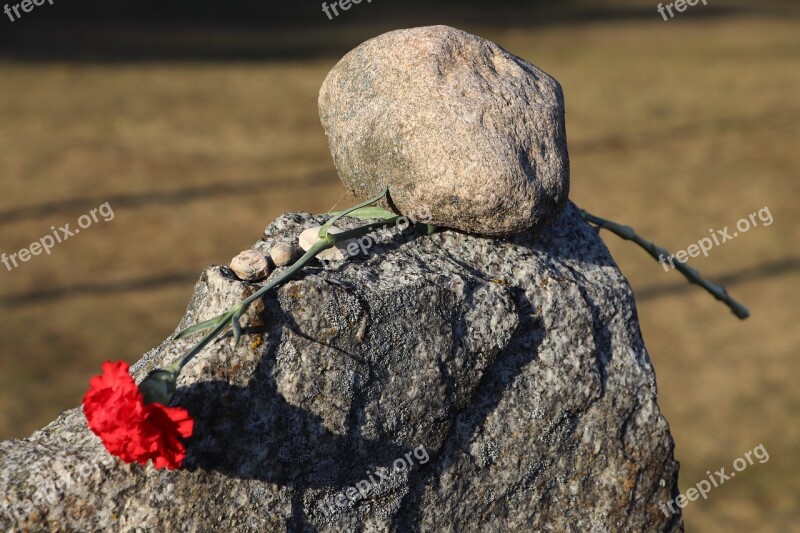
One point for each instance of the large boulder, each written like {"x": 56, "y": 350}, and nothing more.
{"x": 448, "y": 382}
{"x": 453, "y": 121}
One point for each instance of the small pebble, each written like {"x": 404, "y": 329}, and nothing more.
{"x": 310, "y": 236}
{"x": 282, "y": 253}
{"x": 250, "y": 266}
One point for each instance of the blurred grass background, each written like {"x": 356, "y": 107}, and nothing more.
{"x": 200, "y": 134}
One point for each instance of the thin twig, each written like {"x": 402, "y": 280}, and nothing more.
{"x": 659, "y": 254}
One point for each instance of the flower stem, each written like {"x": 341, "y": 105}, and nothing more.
{"x": 319, "y": 246}
{"x": 626, "y": 232}
{"x": 232, "y": 316}
{"x": 362, "y": 230}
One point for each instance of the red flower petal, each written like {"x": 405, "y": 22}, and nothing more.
{"x": 134, "y": 432}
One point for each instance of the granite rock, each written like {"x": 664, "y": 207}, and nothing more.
{"x": 446, "y": 382}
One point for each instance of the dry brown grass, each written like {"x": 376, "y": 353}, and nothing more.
{"x": 674, "y": 128}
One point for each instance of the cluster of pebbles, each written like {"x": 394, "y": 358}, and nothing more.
{"x": 252, "y": 265}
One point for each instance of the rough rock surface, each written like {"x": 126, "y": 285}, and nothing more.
{"x": 451, "y": 120}
{"x": 438, "y": 383}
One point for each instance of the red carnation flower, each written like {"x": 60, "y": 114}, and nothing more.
{"x": 131, "y": 430}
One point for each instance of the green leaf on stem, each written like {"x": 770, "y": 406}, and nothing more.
{"x": 369, "y": 213}
{"x": 323, "y": 231}
{"x": 202, "y": 326}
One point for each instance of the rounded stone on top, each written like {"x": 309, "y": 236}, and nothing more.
{"x": 452, "y": 121}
